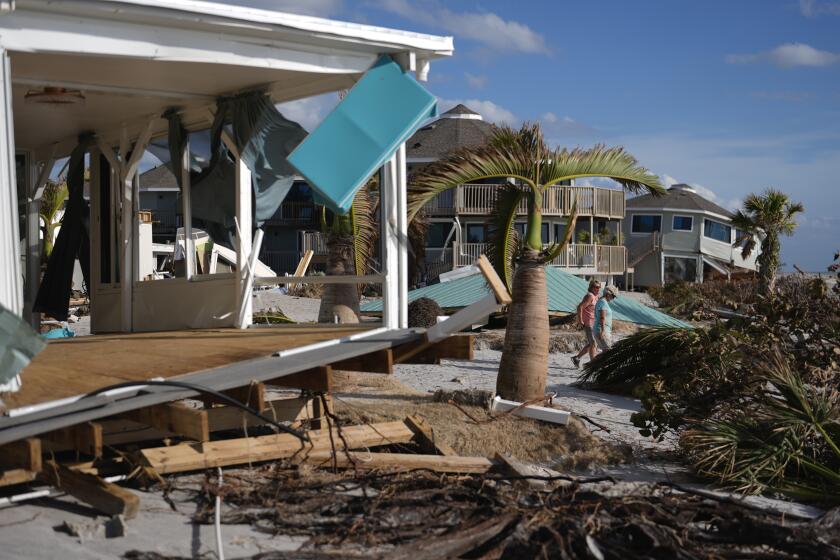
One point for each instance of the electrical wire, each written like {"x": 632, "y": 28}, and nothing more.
{"x": 204, "y": 391}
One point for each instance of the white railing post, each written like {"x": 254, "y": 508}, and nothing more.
{"x": 244, "y": 301}
{"x": 11, "y": 292}
{"x": 186, "y": 199}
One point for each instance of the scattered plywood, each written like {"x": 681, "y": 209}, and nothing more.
{"x": 92, "y": 490}
{"x": 426, "y": 436}
{"x": 85, "y": 438}
{"x": 190, "y": 457}
{"x": 176, "y": 418}
{"x": 398, "y": 461}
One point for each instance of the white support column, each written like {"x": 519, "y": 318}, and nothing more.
{"x": 126, "y": 250}
{"x": 389, "y": 207}
{"x": 244, "y": 301}
{"x": 33, "y": 237}
{"x": 95, "y": 222}
{"x": 11, "y": 285}
{"x": 186, "y": 199}
{"x": 401, "y": 185}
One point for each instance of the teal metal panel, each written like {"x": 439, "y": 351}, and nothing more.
{"x": 565, "y": 291}
{"x": 381, "y": 112}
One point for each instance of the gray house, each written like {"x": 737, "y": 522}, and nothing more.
{"x": 681, "y": 236}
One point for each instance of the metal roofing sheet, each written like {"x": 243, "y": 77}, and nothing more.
{"x": 564, "y": 293}
{"x": 382, "y": 110}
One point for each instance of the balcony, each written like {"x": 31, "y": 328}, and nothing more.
{"x": 477, "y": 199}
{"x": 577, "y": 259}
{"x": 294, "y": 213}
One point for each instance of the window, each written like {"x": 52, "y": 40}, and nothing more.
{"x": 683, "y": 223}
{"x": 544, "y": 232}
{"x": 742, "y": 238}
{"x": 559, "y": 230}
{"x": 437, "y": 233}
{"x": 475, "y": 233}
{"x": 646, "y": 224}
{"x": 679, "y": 269}
{"x": 520, "y": 229}
{"x": 717, "y": 231}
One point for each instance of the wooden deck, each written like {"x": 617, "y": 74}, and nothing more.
{"x": 76, "y": 366}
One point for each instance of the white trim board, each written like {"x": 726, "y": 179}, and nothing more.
{"x": 629, "y": 209}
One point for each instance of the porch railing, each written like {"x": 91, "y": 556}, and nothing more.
{"x": 314, "y": 241}
{"x": 294, "y": 212}
{"x": 479, "y": 199}
{"x": 594, "y": 259}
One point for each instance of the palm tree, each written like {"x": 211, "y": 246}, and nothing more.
{"x": 524, "y": 156}
{"x": 350, "y": 240}
{"x": 55, "y": 193}
{"x": 766, "y": 216}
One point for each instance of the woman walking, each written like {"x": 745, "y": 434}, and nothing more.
{"x": 586, "y": 317}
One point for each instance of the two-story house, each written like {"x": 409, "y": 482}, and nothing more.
{"x": 459, "y": 219}
{"x": 681, "y": 236}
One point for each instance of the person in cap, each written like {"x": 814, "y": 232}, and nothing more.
{"x": 602, "y": 328}
{"x": 586, "y": 317}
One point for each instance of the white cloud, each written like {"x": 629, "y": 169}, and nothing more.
{"x": 549, "y": 118}
{"x": 789, "y": 55}
{"x": 309, "y": 111}
{"x": 475, "y": 81}
{"x": 487, "y": 109}
{"x": 485, "y": 28}
{"x": 814, "y": 8}
{"x": 320, "y": 8}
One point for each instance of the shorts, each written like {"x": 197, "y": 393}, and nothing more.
{"x": 590, "y": 335}
{"x": 603, "y": 340}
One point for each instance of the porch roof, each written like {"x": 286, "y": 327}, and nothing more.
{"x": 132, "y": 59}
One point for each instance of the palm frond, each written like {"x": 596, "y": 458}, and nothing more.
{"x": 365, "y": 231}
{"x": 600, "y": 161}
{"x": 505, "y": 244}
{"x": 554, "y": 251}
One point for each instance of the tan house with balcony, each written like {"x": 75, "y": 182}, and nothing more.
{"x": 459, "y": 219}
{"x": 681, "y": 237}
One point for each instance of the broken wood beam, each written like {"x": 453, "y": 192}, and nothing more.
{"x": 512, "y": 466}
{"x": 496, "y": 285}
{"x": 85, "y": 438}
{"x": 397, "y": 461}
{"x": 92, "y": 490}
{"x": 381, "y": 361}
{"x": 318, "y": 379}
{"x": 175, "y": 418}
{"x": 425, "y": 435}
{"x": 196, "y": 456}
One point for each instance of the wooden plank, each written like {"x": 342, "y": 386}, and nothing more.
{"x": 252, "y": 395}
{"x": 24, "y": 454}
{"x": 16, "y": 476}
{"x": 454, "y": 347}
{"x": 175, "y": 418}
{"x": 281, "y": 410}
{"x": 381, "y": 361}
{"x": 319, "y": 412}
{"x": 302, "y": 266}
{"x": 398, "y": 461}
{"x": 426, "y": 436}
{"x": 493, "y": 280}
{"x": 85, "y": 438}
{"x": 319, "y": 379}
{"x": 513, "y": 466}
{"x": 196, "y": 456}
{"x": 92, "y": 490}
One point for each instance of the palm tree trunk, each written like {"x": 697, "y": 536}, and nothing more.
{"x": 768, "y": 263}
{"x": 340, "y": 300}
{"x": 524, "y": 364}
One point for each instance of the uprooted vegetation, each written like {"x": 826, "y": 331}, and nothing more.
{"x": 754, "y": 400}
{"x": 691, "y": 301}
{"x": 424, "y": 515}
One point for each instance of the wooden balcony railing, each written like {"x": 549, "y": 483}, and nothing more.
{"x": 587, "y": 258}
{"x": 314, "y": 241}
{"x": 479, "y": 199}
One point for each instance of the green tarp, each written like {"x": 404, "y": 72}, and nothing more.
{"x": 565, "y": 291}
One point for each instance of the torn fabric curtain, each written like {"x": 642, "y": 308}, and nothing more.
{"x": 381, "y": 112}
{"x": 263, "y": 137}
{"x": 73, "y": 241}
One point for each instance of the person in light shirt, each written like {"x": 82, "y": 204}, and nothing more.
{"x": 586, "y": 317}
{"x": 602, "y": 328}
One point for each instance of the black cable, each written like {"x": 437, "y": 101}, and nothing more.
{"x": 205, "y": 391}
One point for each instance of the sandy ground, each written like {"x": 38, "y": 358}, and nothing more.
{"x": 298, "y": 309}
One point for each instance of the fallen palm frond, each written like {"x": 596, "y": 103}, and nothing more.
{"x": 786, "y": 440}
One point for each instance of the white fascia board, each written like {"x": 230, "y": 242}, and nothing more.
{"x": 241, "y": 20}
{"x": 678, "y": 211}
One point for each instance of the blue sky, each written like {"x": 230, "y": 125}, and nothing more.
{"x": 730, "y": 96}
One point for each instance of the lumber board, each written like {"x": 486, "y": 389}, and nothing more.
{"x": 92, "y": 490}
{"x": 196, "y": 456}
{"x": 426, "y": 436}
{"x": 24, "y": 454}
{"x": 11, "y": 477}
{"x": 252, "y": 395}
{"x": 496, "y": 285}
{"x": 319, "y": 379}
{"x": 454, "y": 347}
{"x": 85, "y": 438}
{"x": 175, "y": 418}
{"x": 513, "y": 466}
{"x": 398, "y": 461}
{"x": 319, "y": 411}
{"x": 381, "y": 361}
{"x": 302, "y": 266}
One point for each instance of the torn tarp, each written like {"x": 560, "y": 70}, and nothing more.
{"x": 381, "y": 112}
{"x": 18, "y": 345}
